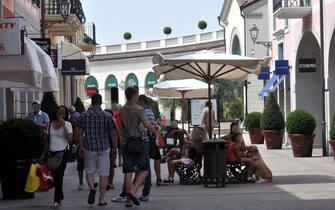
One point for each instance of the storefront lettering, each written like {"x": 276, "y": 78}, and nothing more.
{"x": 7, "y": 25}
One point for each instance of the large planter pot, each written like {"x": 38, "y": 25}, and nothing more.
{"x": 332, "y": 144}
{"x": 302, "y": 145}
{"x": 256, "y": 136}
{"x": 273, "y": 138}
{"x": 13, "y": 179}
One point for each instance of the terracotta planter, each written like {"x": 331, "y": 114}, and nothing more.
{"x": 332, "y": 144}
{"x": 302, "y": 144}
{"x": 13, "y": 179}
{"x": 256, "y": 136}
{"x": 273, "y": 138}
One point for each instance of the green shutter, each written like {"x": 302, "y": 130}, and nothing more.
{"x": 131, "y": 80}
{"x": 150, "y": 80}
{"x": 111, "y": 82}
{"x": 91, "y": 82}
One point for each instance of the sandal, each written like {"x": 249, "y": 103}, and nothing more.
{"x": 160, "y": 183}
{"x": 129, "y": 205}
{"x": 102, "y": 204}
{"x": 133, "y": 198}
{"x": 169, "y": 180}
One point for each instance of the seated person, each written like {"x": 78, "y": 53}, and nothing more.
{"x": 198, "y": 135}
{"x": 171, "y": 133}
{"x": 234, "y": 128}
{"x": 237, "y": 154}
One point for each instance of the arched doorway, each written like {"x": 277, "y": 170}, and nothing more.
{"x": 236, "y": 46}
{"x": 91, "y": 86}
{"x": 131, "y": 80}
{"x": 308, "y": 80}
{"x": 111, "y": 91}
{"x": 150, "y": 81}
{"x": 331, "y": 77}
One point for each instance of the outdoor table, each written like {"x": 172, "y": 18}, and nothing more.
{"x": 215, "y": 162}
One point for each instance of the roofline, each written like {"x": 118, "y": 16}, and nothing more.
{"x": 150, "y": 53}
{"x": 225, "y": 9}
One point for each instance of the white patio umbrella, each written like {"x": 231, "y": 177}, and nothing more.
{"x": 186, "y": 88}
{"x": 207, "y": 65}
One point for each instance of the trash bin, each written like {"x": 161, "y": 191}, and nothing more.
{"x": 215, "y": 162}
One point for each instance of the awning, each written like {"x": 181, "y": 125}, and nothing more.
{"x": 271, "y": 85}
{"x": 32, "y": 71}
{"x": 150, "y": 80}
{"x": 91, "y": 82}
{"x": 132, "y": 80}
{"x": 71, "y": 51}
{"x": 111, "y": 82}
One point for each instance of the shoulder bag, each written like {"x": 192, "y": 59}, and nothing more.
{"x": 54, "y": 159}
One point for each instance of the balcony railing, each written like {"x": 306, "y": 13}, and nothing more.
{"x": 277, "y": 4}
{"x": 89, "y": 36}
{"x": 52, "y": 7}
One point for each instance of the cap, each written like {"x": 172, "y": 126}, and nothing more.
{"x": 36, "y": 102}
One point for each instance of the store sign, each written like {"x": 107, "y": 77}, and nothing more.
{"x": 74, "y": 67}
{"x": 264, "y": 74}
{"x": 282, "y": 67}
{"x": 45, "y": 44}
{"x": 90, "y": 91}
{"x": 197, "y": 108}
{"x": 307, "y": 65}
{"x": 10, "y": 36}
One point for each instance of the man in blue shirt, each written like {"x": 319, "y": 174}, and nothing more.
{"x": 37, "y": 116}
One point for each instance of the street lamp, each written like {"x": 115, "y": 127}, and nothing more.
{"x": 65, "y": 7}
{"x": 224, "y": 31}
{"x": 245, "y": 84}
{"x": 254, "y": 36}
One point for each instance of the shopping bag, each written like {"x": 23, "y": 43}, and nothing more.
{"x": 33, "y": 182}
{"x": 160, "y": 141}
{"x": 46, "y": 178}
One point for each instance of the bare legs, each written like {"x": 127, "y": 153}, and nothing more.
{"x": 103, "y": 185}
{"x": 139, "y": 180}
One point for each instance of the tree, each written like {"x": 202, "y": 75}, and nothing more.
{"x": 202, "y": 24}
{"x": 127, "y": 35}
{"x": 272, "y": 117}
{"x": 78, "y": 104}
{"x": 48, "y": 104}
{"x": 167, "y": 30}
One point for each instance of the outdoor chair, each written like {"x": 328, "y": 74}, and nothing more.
{"x": 190, "y": 174}
{"x": 236, "y": 173}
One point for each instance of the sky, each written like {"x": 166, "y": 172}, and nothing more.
{"x": 145, "y": 19}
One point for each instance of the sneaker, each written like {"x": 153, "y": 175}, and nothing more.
{"x": 169, "y": 180}
{"x": 81, "y": 187}
{"x": 55, "y": 205}
{"x": 119, "y": 199}
{"x": 144, "y": 198}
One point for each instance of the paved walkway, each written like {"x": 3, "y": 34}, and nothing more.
{"x": 299, "y": 183}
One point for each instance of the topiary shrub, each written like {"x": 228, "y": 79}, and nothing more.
{"x": 253, "y": 120}
{"x": 202, "y": 24}
{"x": 127, "y": 36}
{"x": 48, "y": 104}
{"x": 300, "y": 122}
{"x": 332, "y": 129}
{"x": 272, "y": 118}
{"x": 79, "y": 105}
{"x": 167, "y": 30}
{"x": 20, "y": 140}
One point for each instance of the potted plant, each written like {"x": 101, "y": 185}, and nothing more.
{"x": 272, "y": 124}
{"x": 253, "y": 124}
{"x": 332, "y": 136}
{"x": 21, "y": 143}
{"x": 300, "y": 126}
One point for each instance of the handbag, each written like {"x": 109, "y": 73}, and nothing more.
{"x": 160, "y": 141}
{"x": 46, "y": 178}
{"x": 54, "y": 160}
{"x": 153, "y": 149}
{"x": 33, "y": 182}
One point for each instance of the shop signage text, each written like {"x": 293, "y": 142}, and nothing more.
{"x": 74, "y": 67}
{"x": 307, "y": 65}
{"x": 10, "y": 36}
{"x": 45, "y": 44}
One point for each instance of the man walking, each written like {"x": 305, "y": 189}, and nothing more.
{"x": 135, "y": 158}
{"x": 96, "y": 126}
{"x": 143, "y": 101}
{"x": 37, "y": 116}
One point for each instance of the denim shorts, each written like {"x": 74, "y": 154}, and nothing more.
{"x": 133, "y": 163}
{"x": 97, "y": 162}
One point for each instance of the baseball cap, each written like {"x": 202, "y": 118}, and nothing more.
{"x": 36, "y": 102}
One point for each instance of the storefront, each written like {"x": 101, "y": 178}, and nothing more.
{"x": 91, "y": 86}
{"x": 111, "y": 91}
{"x": 150, "y": 81}
{"x": 132, "y": 81}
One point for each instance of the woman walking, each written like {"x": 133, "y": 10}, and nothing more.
{"x": 59, "y": 133}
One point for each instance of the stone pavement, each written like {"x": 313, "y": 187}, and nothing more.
{"x": 299, "y": 184}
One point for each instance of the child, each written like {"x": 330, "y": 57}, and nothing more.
{"x": 237, "y": 154}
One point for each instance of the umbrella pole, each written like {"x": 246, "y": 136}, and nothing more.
{"x": 209, "y": 110}
{"x": 182, "y": 109}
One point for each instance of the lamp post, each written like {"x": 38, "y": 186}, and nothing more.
{"x": 224, "y": 32}
{"x": 254, "y": 36}
{"x": 64, "y": 11}
{"x": 245, "y": 84}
